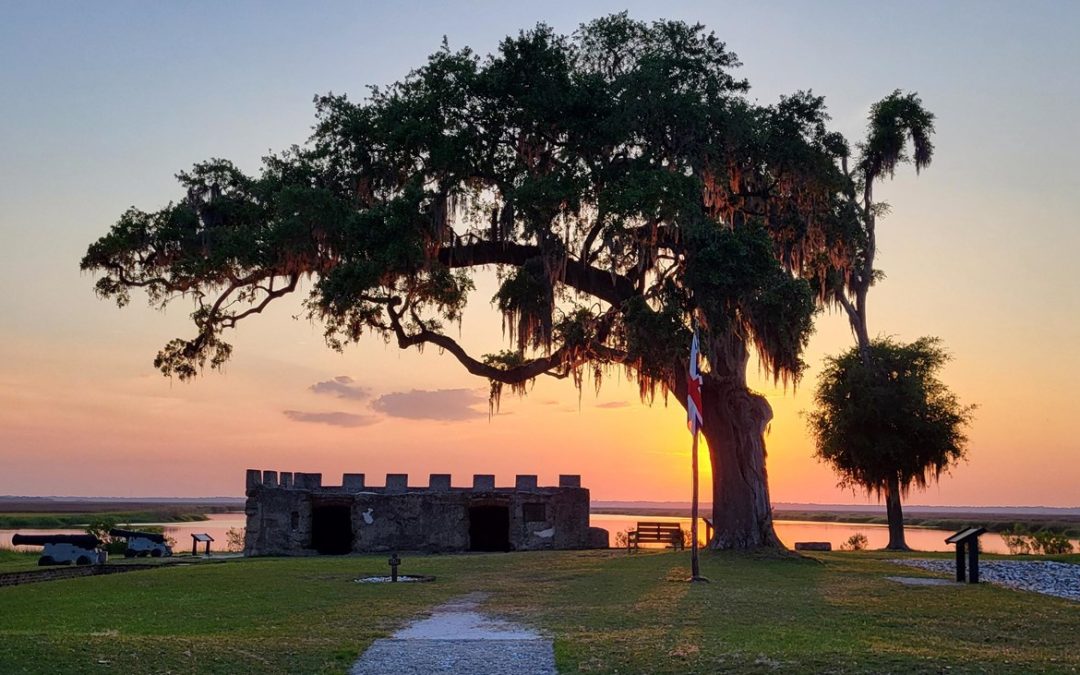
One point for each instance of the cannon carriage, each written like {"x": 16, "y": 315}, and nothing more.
{"x": 64, "y": 549}
{"x": 141, "y": 544}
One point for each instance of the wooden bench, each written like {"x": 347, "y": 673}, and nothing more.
{"x": 655, "y": 533}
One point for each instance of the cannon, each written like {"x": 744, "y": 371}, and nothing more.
{"x": 141, "y": 544}
{"x": 64, "y": 549}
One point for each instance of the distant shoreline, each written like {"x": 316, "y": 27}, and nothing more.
{"x": 67, "y": 512}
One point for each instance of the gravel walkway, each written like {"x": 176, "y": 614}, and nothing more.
{"x": 458, "y": 639}
{"x": 1048, "y": 577}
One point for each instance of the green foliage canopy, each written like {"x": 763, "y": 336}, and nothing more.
{"x": 618, "y": 179}
{"x": 891, "y": 420}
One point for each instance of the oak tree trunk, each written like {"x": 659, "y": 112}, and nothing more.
{"x": 895, "y": 513}
{"x": 734, "y": 427}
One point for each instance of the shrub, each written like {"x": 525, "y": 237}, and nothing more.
{"x": 1016, "y": 540}
{"x": 1051, "y": 543}
{"x": 234, "y": 539}
{"x": 856, "y": 542}
{"x": 620, "y": 539}
{"x": 1045, "y": 542}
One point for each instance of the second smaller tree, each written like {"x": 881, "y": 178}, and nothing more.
{"x": 888, "y": 423}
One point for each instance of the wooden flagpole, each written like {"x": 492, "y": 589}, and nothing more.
{"x": 695, "y": 570}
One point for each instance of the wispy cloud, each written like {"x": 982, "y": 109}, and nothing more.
{"x": 334, "y": 419}
{"x": 447, "y": 405}
{"x": 341, "y": 386}
{"x": 613, "y": 404}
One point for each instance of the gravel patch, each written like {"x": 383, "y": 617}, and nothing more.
{"x": 457, "y": 638}
{"x": 1041, "y": 576}
{"x": 402, "y": 579}
{"x": 923, "y": 581}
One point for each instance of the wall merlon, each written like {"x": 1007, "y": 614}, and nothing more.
{"x": 352, "y": 482}
{"x": 254, "y": 478}
{"x": 483, "y": 481}
{"x": 525, "y": 482}
{"x": 569, "y": 480}
{"x": 285, "y": 479}
{"x": 439, "y": 482}
{"x": 397, "y": 483}
{"x": 307, "y": 481}
{"x": 270, "y": 479}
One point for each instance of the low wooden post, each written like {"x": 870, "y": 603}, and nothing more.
{"x": 973, "y": 560}
{"x": 968, "y": 539}
{"x": 394, "y": 561}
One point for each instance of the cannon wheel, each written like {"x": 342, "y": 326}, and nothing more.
{"x": 46, "y": 560}
{"x": 130, "y": 553}
{"x": 82, "y": 560}
{"x": 156, "y": 553}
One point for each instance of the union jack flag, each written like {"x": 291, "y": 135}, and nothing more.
{"x": 693, "y": 390}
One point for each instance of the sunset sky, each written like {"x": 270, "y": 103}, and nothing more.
{"x": 103, "y": 103}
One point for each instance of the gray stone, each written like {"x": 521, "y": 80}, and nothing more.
{"x": 483, "y": 481}
{"x": 457, "y": 638}
{"x": 270, "y": 478}
{"x": 285, "y": 479}
{"x": 254, "y": 478}
{"x": 525, "y": 482}
{"x": 923, "y": 581}
{"x": 397, "y": 483}
{"x": 352, "y": 482}
{"x": 439, "y": 482}
{"x": 813, "y": 546}
{"x": 434, "y": 519}
{"x": 569, "y": 480}
{"x": 1040, "y": 576}
{"x": 599, "y": 538}
{"x": 307, "y": 481}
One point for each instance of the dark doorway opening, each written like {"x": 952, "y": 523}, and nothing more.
{"x": 489, "y": 528}
{"x": 331, "y": 530}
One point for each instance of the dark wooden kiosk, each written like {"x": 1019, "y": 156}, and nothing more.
{"x": 200, "y": 538}
{"x": 968, "y": 539}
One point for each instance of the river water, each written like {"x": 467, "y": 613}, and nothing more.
{"x": 217, "y": 527}
{"x": 789, "y": 531}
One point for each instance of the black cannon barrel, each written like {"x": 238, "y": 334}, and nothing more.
{"x": 80, "y": 540}
{"x": 128, "y": 534}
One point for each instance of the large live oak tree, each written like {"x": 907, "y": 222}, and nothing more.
{"x": 619, "y": 181}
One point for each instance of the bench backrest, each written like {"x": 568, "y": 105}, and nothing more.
{"x": 654, "y": 531}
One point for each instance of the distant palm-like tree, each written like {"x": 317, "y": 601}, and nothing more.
{"x": 888, "y": 464}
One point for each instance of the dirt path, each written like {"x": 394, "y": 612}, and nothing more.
{"x": 457, "y": 638}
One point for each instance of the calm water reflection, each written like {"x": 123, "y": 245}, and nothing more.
{"x": 789, "y": 531}
{"x": 217, "y": 526}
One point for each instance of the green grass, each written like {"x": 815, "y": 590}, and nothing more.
{"x": 17, "y": 561}
{"x": 606, "y": 610}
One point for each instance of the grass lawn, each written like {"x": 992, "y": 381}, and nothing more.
{"x": 607, "y": 611}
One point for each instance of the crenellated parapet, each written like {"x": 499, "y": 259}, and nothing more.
{"x": 398, "y": 483}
